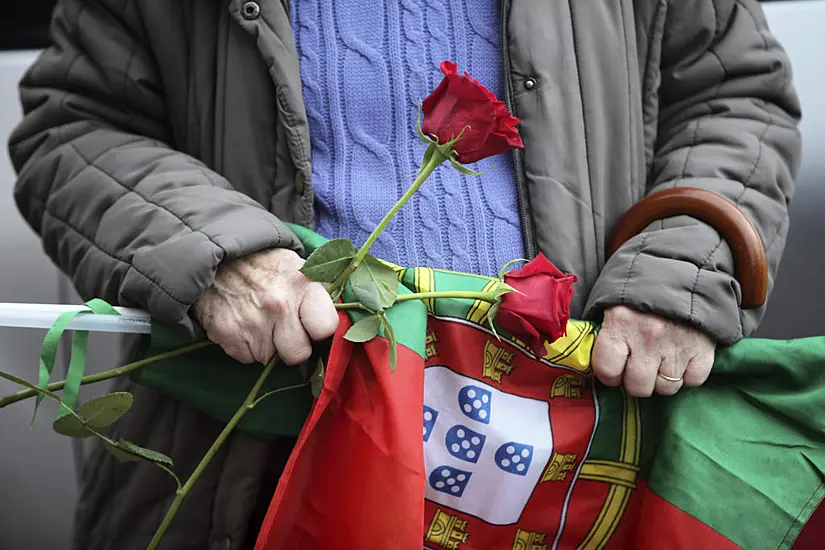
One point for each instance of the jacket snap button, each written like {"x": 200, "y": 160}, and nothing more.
{"x": 250, "y": 10}
{"x": 530, "y": 83}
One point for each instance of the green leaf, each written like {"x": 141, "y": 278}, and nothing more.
{"x": 373, "y": 272}
{"x": 120, "y": 454}
{"x": 316, "y": 381}
{"x": 96, "y": 414}
{"x": 71, "y": 426}
{"x": 389, "y": 333}
{"x": 105, "y": 410}
{"x": 329, "y": 260}
{"x": 364, "y": 330}
{"x": 368, "y": 296}
{"x": 136, "y": 452}
{"x": 126, "y": 451}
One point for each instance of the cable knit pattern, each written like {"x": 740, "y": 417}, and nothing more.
{"x": 365, "y": 66}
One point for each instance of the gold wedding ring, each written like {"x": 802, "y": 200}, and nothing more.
{"x": 670, "y": 378}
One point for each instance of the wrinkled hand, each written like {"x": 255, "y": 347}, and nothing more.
{"x": 648, "y": 353}
{"x": 261, "y": 303}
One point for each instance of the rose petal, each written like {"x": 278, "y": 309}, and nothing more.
{"x": 538, "y": 265}
{"x": 519, "y": 327}
{"x": 459, "y": 104}
{"x": 448, "y": 67}
{"x": 542, "y": 299}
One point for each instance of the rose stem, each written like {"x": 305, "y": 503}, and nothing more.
{"x": 247, "y": 405}
{"x": 106, "y": 375}
{"x": 435, "y": 159}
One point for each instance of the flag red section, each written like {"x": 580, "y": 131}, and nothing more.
{"x": 652, "y": 523}
{"x": 812, "y": 536}
{"x": 356, "y": 477}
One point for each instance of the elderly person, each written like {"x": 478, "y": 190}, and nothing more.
{"x": 165, "y": 143}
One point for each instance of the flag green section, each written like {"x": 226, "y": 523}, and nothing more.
{"x": 751, "y": 442}
{"x": 210, "y": 381}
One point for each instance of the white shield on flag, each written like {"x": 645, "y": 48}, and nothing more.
{"x": 484, "y": 449}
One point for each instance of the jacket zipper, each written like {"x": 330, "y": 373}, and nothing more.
{"x": 518, "y": 157}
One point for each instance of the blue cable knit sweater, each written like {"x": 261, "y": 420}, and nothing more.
{"x": 365, "y": 65}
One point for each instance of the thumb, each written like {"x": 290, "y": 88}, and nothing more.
{"x": 609, "y": 357}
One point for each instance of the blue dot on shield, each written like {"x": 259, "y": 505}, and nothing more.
{"x": 475, "y": 403}
{"x": 449, "y": 480}
{"x": 464, "y": 443}
{"x": 514, "y": 458}
{"x": 430, "y": 416}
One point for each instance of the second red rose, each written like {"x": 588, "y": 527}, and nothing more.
{"x": 540, "y": 308}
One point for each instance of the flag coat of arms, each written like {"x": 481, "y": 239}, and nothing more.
{"x": 476, "y": 443}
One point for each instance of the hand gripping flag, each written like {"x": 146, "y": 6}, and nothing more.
{"x": 476, "y": 443}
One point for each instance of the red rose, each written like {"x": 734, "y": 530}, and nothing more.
{"x": 542, "y": 309}
{"x": 462, "y": 103}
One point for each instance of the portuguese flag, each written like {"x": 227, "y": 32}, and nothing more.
{"x": 476, "y": 443}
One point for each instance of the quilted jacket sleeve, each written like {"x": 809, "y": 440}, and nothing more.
{"x": 129, "y": 218}
{"x": 728, "y": 124}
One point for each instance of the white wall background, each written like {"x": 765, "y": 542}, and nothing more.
{"x": 38, "y": 486}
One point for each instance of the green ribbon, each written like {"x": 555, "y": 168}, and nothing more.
{"x": 77, "y": 364}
